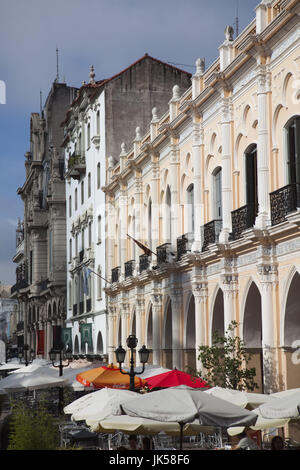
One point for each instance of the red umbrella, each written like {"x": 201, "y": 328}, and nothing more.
{"x": 173, "y": 378}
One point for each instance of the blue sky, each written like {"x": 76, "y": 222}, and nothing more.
{"x": 110, "y": 34}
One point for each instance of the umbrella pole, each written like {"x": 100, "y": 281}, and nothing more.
{"x": 181, "y": 435}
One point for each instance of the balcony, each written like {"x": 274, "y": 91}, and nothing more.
{"x": 164, "y": 254}
{"x": 211, "y": 232}
{"x": 283, "y": 201}
{"x": 184, "y": 244}
{"x": 242, "y": 218}
{"x": 115, "y": 273}
{"x": 129, "y": 268}
{"x": 144, "y": 262}
{"x": 76, "y": 166}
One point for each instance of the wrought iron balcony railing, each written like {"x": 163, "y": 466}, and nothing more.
{"x": 184, "y": 244}
{"x": 144, "y": 262}
{"x": 211, "y": 232}
{"x": 115, "y": 273}
{"x": 129, "y": 267}
{"x": 242, "y": 218}
{"x": 162, "y": 253}
{"x": 283, "y": 201}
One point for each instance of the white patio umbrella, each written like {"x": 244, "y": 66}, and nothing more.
{"x": 98, "y": 405}
{"x": 185, "y": 404}
{"x": 151, "y": 370}
{"x": 40, "y": 379}
{"x": 144, "y": 426}
{"x": 11, "y": 365}
{"x": 240, "y": 398}
{"x": 284, "y": 407}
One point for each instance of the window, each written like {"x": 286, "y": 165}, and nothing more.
{"x": 70, "y": 206}
{"x": 70, "y": 250}
{"x": 168, "y": 218}
{"x": 251, "y": 177}
{"x": 98, "y": 123}
{"x": 90, "y": 234}
{"x": 75, "y": 202}
{"x": 82, "y": 192}
{"x": 88, "y": 135}
{"x": 293, "y": 150}
{"x": 217, "y": 194}
{"x": 89, "y": 185}
{"x": 98, "y": 176}
{"x": 82, "y": 239}
{"x": 99, "y": 228}
{"x": 190, "y": 211}
{"x": 76, "y": 244}
{"x": 150, "y": 223}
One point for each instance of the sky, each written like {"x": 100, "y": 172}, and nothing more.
{"x": 109, "y": 34}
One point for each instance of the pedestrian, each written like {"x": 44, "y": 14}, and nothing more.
{"x": 246, "y": 442}
{"x": 277, "y": 443}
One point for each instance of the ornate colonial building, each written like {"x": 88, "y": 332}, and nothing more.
{"x": 98, "y": 121}
{"x": 41, "y": 248}
{"x": 212, "y": 189}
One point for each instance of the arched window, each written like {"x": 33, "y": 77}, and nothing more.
{"x": 89, "y": 185}
{"x": 99, "y": 229}
{"x": 190, "y": 208}
{"x": 98, "y": 122}
{"x": 90, "y": 234}
{"x": 98, "y": 176}
{"x": 293, "y": 149}
{"x": 76, "y": 201}
{"x": 88, "y": 135}
{"x": 70, "y": 250}
{"x": 217, "y": 194}
{"x": 251, "y": 177}
{"x": 150, "y": 222}
{"x": 168, "y": 218}
{"x": 70, "y": 206}
{"x": 82, "y": 192}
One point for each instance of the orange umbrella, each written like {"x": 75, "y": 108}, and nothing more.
{"x": 108, "y": 376}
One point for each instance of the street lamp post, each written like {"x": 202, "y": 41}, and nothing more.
{"x": 63, "y": 355}
{"x": 23, "y": 351}
{"x": 120, "y": 352}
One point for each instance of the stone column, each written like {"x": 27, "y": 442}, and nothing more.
{"x": 112, "y": 334}
{"x": 268, "y": 279}
{"x": 263, "y": 78}
{"x": 199, "y": 289}
{"x": 197, "y": 150}
{"x": 230, "y": 288}
{"x": 176, "y": 304}
{"x": 156, "y": 299}
{"x": 226, "y": 166}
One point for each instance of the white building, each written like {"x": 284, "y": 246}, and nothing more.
{"x": 96, "y": 126}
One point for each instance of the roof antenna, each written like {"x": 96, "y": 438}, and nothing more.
{"x": 237, "y": 19}
{"x": 57, "y": 74}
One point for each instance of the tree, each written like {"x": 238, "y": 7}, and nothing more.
{"x": 32, "y": 428}
{"x": 226, "y": 362}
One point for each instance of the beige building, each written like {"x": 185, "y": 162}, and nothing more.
{"x": 213, "y": 190}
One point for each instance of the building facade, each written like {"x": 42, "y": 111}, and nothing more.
{"x": 97, "y": 124}
{"x": 212, "y": 189}
{"x": 41, "y": 249}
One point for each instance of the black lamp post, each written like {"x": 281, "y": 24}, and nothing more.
{"x": 63, "y": 355}
{"x": 120, "y": 352}
{"x": 23, "y": 351}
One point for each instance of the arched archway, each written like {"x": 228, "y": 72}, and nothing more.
{"x": 292, "y": 332}
{"x": 218, "y": 314}
{"x": 252, "y": 331}
{"x": 190, "y": 336}
{"x": 99, "y": 343}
